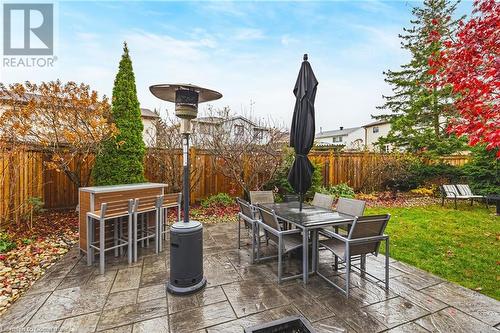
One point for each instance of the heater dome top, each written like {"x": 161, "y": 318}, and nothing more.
{"x": 167, "y": 92}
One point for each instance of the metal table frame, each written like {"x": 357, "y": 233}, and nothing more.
{"x": 324, "y": 219}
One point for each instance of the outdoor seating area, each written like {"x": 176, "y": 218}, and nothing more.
{"x": 241, "y": 294}
{"x": 130, "y": 203}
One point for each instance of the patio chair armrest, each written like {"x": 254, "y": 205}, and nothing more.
{"x": 246, "y": 218}
{"x": 267, "y": 228}
{"x": 93, "y": 215}
{"x": 290, "y": 232}
{"x": 337, "y": 236}
{"x": 367, "y": 239}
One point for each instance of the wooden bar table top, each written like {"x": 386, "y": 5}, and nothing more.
{"x": 91, "y": 198}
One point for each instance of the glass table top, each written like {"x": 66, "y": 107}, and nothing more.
{"x": 309, "y": 216}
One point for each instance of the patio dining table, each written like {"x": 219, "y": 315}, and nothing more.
{"x": 310, "y": 219}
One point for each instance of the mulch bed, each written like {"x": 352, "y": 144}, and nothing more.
{"x": 52, "y": 235}
{"x": 388, "y": 199}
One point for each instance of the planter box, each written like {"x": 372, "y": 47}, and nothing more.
{"x": 293, "y": 324}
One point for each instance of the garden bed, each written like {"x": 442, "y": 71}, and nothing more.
{"x": 36, "y": 249}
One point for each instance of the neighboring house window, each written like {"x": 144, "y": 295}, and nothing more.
{"x": 258, "y": 134}
{"x": 239, "y": 130}
{"x": 337, "y": 139}
{"x": 387, "y": 148}
{"x": 375, "y": 129}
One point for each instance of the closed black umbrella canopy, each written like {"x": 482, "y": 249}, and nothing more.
{"x": 303, "y": 129}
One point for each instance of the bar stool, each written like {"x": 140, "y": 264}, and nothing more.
{"x": 142, "y": 208}
{"x": 112, "y": 212}
{"x": 172, "y": 200}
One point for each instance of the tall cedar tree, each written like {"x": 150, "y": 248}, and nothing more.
{"x": 121, "y": 160}
{"x": 420, "y": 111}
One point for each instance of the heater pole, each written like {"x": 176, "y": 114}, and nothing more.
{"x": 185, "y": 158}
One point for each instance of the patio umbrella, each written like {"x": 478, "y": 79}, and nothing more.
{"x": 302, "y": 130}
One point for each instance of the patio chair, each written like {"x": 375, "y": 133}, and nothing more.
{"x": 172, "y": 200}
{"x": 451, "y": 192}
{"x": 261, "y": 197}
{"x": 110, "y": 213}
{"x": 285, "y": 240}
{"x": 322, "y": 200}
{"x": 465, "y": 190}
{"x": 145, "y": 208}
{"x": 247, "y": 215}
{"x": 364, "y": 238}
{"x": 346, "y": 206}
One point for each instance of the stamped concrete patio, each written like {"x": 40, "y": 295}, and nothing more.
{"x": 72, "y": 297}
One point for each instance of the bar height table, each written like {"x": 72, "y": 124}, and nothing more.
{"x": 90, "y": 199}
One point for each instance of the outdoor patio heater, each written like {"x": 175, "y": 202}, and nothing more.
{"x": 186, "y": 238}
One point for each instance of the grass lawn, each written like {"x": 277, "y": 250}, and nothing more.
{"x": 461, "y": 245}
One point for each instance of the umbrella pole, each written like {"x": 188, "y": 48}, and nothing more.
{"x": 301, "y": 198}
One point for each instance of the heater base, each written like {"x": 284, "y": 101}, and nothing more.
{"x": 186, "y": 258}
{"x": 186, "y": 290}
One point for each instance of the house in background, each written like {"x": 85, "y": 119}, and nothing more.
{"x": 149, "y": 120}
{"x": 349, "y": 139}
{"x": 373, "y": 132}
{"x": 235, "y": 127}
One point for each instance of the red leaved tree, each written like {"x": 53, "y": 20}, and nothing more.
{"x": 470, "y": 64}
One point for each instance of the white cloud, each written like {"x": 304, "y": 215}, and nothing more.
{"x": 246, "y": 34}
{"x": 287, "y": 40}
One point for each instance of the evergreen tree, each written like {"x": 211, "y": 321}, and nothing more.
{"x": 419, "y": 108}
{"x": 121, "y": 159}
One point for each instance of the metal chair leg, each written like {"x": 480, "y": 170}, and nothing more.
{"x": 134, "y": 233}
{"x": 131, "y": 244}
{"x": 280, "y": 259}
{"x": 387, "y": 264}
{"x": 363, "y": 265}
{"x": 102, "y": 232}
{"x": 239, "y": 232}
{"x": 347, "y": 271}
{"x": 115, "y": 236}
{"x": 90, "y": 252}
{"x": 120, "y": 233}
{"x": 146, "y": 230}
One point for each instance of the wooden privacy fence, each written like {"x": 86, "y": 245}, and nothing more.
{"x": 23, "y": 175}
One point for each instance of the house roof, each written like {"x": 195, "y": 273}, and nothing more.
{"x": 147, "y": 113}
{"x": 220, "y": 120}
{"x": 375, "y": 123}
{"x": 339, "y": 132}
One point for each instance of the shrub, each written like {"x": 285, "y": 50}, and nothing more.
{"x": 121, "y": 158}
{"x": 338, "y": 191}
{"x": 279, "y": 183}
{"x": 5, "y": 243}
{"x": 482, "y": 172}
{"x": 424, "y": 191}
{"x": 405, "y": 173}
{"x": 220, "y": 199}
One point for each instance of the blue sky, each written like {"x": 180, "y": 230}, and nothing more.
{"x": 249, "y": 51}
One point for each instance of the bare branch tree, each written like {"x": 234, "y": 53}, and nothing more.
{"x": 247, "y": 150}
{"x": 166, "y": 152}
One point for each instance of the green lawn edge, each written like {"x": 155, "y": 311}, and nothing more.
{"x": 460, "y": 245}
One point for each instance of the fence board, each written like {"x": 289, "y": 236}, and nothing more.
{"x": 23, "y": 175}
